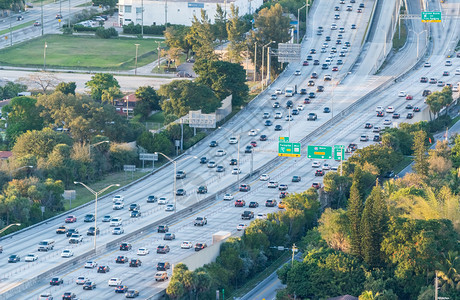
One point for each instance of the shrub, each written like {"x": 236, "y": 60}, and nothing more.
{"x": 106, "y": 33}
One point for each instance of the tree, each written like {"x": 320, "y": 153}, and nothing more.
{"x": 175, "y": 37}
{"x": 236, "y": 35}
{"x": 383, "y": 158}
{"x": 66, "y": 87}
{"x": 106, "y": 3}
{"x": 11, "y": 90}
{"x": 448, "y": 269}
{"x": 354, "y": 212}
{"x": 201, "y": 37}
{"x": 23, "y": 115}
{"x": 434, "y": 103}
{"x": 44, "y": 80}
{"x": 109, "y": 95}
{"x": 420, "y": 158}
{"x": 184, "y": 95}
{"x": 224, "y": 78}
{"x": 100, "y": 82}
{"x": 147, "y": 101}
{"x": 333, "y": 229}
{"x": 220, "y": 24}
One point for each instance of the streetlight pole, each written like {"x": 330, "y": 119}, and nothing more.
{"x": 92, "y": 145}
{"x": 11, "y": 29}
{"x": 44, "y": 56}
{"x": 255, "y": 61}
{"x": 20, "y": 168}
{"x": 158, "y": 55}
{"x": 135, "y": 69}
{"x": 142, "y": 19}
{"x": 96, "y": 194}
{"x": 298, "y": 22}
{"x": 5, "y": 228}
{"x": 263, "y": 69}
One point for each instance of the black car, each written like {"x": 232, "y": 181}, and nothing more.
{"x": 295, "y": 111}
{"x": 181, "y": 192}
{"x": 125, "y": 247}
{"x": 314, "y": 75}
{"x": 71, "y": 231}
{"x": 253, "y": 204}
{"x": 135, "y": 214}
{"x": 204, "y": 160}
{"x": 263, "y": 137}
{"x": 319, "y": 89}
{"x": 163, "y": 266}
{"x": 312, "y": 117}
{"x": 213, "y": 144}
{"x": 163, "y": 249}
{"x": 14, "y": 258}
{"x": 132, "y": 294}
{"x": 56, "y": 281}
{"x": 220, "y": 169}
{"x": 389, "y": 174}
{"x": 316, "y": 62}
{"x": 135, "y": 262}
{"x": 103, "y": 269}
{"x": 92, "y": 231}
{"x": 163, "y": 229}
{"x": 270, "y": 203}
{"x": 289, "y": 104}
{"x": 151, "y": 199}
{"x": 409, "y": 116}
{"x": 268, "y": 123}
{"x": 233, "y": 162}
{"x": 202, "y": 190}
{"x": 69, "y": 296}
{"x": 312, "y": 95}
{"x": 89, "y": 218}
{"x": 248, "y": 149}
{"x": 376, "y": 138}
{"x": 134, "y": 206}
{"x": 89, "y": 285}
{"x": 278, "y": 128}
{"x": 121, "y": 289}
{"x": 200, "y": 246}
{"x": 121, "y": 259}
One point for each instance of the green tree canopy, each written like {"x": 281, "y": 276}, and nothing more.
{"x": 39, "y": 143}
{"x": 148, "y": 100}
{"x": 100, "y": 82}
{"x": 201, "y": 37}
{"x": 66, "y": 87}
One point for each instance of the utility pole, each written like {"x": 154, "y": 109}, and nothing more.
{"x": 44, "y": 57}
{"x": 436, "y": 286}
{"x": 42, "y": 16}
{"x": 158, "y": 56}
{"x": 142, "y": 19}
{"x": 135, "y": 69}
{"x": 255, "y": 61}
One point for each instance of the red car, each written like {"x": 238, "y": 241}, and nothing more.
{"x": 71, "y": 219}
{"x": 240, "y": 203}
{"x": 409, "y": 97}
{"x": 316, "y": 185}
{"x": 380, "y": 114}
{"x": 307, "y": 101}
{"x": 254, "y": 144}
{"x": 335, "y": 69}
{"x": 305, "y": 63}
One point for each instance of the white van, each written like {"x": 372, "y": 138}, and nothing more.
{"x": 46, "y": 245}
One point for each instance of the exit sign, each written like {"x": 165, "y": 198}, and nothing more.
{"x": 431, "y": 16}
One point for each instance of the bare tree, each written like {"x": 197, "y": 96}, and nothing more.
{"x": 40, "y": 80}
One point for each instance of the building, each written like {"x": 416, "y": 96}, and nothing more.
{"x": 159, "y": 12}
{"x": 126, "y": 104}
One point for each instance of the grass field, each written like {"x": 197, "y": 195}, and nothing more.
{"x": 398, "y": 43}
{"x": 17, "y": 27}
{"x": 81, "y": 52}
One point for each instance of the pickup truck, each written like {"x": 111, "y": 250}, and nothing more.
{"x": 200, "y": 221}
{"x": 247, "y": 215}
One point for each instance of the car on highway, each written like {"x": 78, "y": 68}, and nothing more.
{"x": 56, "y": 281}
{"x": 326, "y": 166}
{"x": 409, "y": 115}
{"x": 252, "y": 132}
{"x": 89, "y": 285}
{"x": 236, "y": 171}
{"x": 125, "y": 246}
{"x": 380, "y": 114}
{"x": 409, "y": 106}
{"x": 240, "y": 203}
{"x": 115, "y": 282}
{"x": 416, "y": 109}
{"x": 402, "y": 94}
{"x": 263, "y": 137}
{"x": 71, "y": 219}
{"x": 247, "y": 215}
{"x": 69, "y": 296}
{"x": 121, "y": 259}
{"x": 276, "y": 104}
{"x": 200, "y": 246}
{"x": 211, "y": 164}
{"x": 253, "y": 204}
{"x": 282, "y": 187}
{"x": 264, "y": 177}
{"x": 181, "y": 192}
{"x": 118, "y": 205}
{"x": 135, "y": 262}
{"x": 162, "y": 249}
{"x": 423, "y": 79}
{"x": 283, "y": 194}
{"x": 386, "y": 122}
{"x": 31, "y": 257}
{"x": 118, "y": 231}
{"x": 213, "y": 144}
{"x": 316, "y": 185}
{"x": 93, "y": 231}
{"x": 186, "y": 245}
{"x": 169, "y": 236}
{"x": 117, "y": 221}
{"x": 90, "y": 265}
{"x": 297, "y": 73}
{"x": 220, "y": 169}
{"x": 228, "y": 197}
{"x": 107, "y": 218}
{"x": 426, "y": 93}
{"x": 253, "y": 143}
{"x": 363, "y": 138}
{"x": 376, "y": 138}
{"x": 61, "y": 230}
{"x": 135, "y": 214}
{"x": 244, "y": 187}
{"x": 162, "y": 201}
{"x": 89, "y": 218}
{"x": 200, "y": 221}
{"x": 66, "y": 253}
{"x": 445, "y": 73}
{"x": 273, "y": 97}
{"x": 312, "y": 117}
{"x": 163, "y": 266}
{"x": 390, "y": 109}
{"x": 103, "y": 269}
{"x": 121, "y": 289}
{"x": 278, "y": 92}
{"x": 169, "y": 207}
{"x": 409, "y": 97}
{"x": 278, "y": 115}
{"x": 248, "y": 149}
{"x": 427, "y": 65}
{"x": 368, "y": 126}
{"x": 143, "y": 251}
{"x": 448, "y": 63}
{"x": 296, "y": 178}
{"x": 241, "y": 227}
{"x": 271, "y": 203}
{"x": 75, "y": 238}
{"x": 151, "y": 199}
{"x": 161, "y": 276}
{"x": 315, "y": 164}
{"x": 221, "y": 152}
{"x": 319, "y": 172}
{"x": 396, "y": 116}
{"x": 180, "y": 174}
{"x": 232, "y": 140}
{"x": 81, "y": 280}
{"x": 272, "y": 184}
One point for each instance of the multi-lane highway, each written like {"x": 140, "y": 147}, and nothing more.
{"x": 347, "y": 127}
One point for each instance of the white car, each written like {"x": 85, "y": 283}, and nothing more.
{"x": 118, "y": 198}
{"x": 186, "y": 245}
{"x": 31, "y": 257}
{"x": 364, "y": 138}
{"x": 376, "y": 129}
{"x": 402, "y": 94}
{"x": 457, "y": 72}
{"x": 228, "y": 197}
{"x": 81, "y": 280}
{"x": 297, "y": 73}
{"x": 143, "y": 251}
{"x": 300, "y": 107}
{"x": 387, "y": 122}
{"x": 252, "y": 132}
{"x": 236, "y": 171}
{"x": 116, "y": 222}
{"x": 118, "y": 205}
{"x": 278, "y": 115}
{"x": 261, "y": 216}
{"x": 66, "y": 253}
{"x": 278, "y": 92}
{"x": 241, "y": 227}
{"x": 163, "y": 200}
{"x": 233, "y": 140}
{"x": 118, "y": 231}
{"x": 272, "y": 184}
{"x": 326, "y": 167}
{"x": 448, "y": 63}
{"x": 264, "y": 177}
{"x": 390, "y": 109}
{"x": 334, "y": 26}
{"x": 115, "y": 281}
{"x": 427, "y": 65}
{"x": 379, "y": 108}
{"x": 315, "y": 164}
{"x": 169, "y": 207}
{"x": 221, "y": 152}
{"x": 90, "y": 264}
{"x": 455, "y": 88}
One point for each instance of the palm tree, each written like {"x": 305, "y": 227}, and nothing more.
{"x": 448, "y": 271}
{"x": 368, "y": 295}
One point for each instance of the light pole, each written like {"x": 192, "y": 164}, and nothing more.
{"x": 298, "y": 22}
{"x": 175, "y": 170}
{"x": 158, "y": 49}
{"x": 263, "y": 70}
{"x": 255, "y": 61}
{"x": 142, "y": 19}
{"x": 92, "y": 145}
{"x": 44, "y": 56}
{"x": 96, "y": 194}
{"x": 135, "y": 70}
{"x": 418, "y": 35}
{"x": 5, "y": 228}
{"x": 11, "y": 29}
{"x": 20, "y": 168}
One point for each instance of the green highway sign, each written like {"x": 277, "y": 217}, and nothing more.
{"x": 339, "y": 152}
{"x": 320, "y": 152}
{"x": 284, "y": 139}
{"x": 289, "y": 149}
{"x": 431, "y": 16}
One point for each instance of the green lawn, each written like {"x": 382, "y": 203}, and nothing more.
{"x": 17, "y": 27}
{"x": 398, "y": 43}
{"x": 77, "y": 51}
